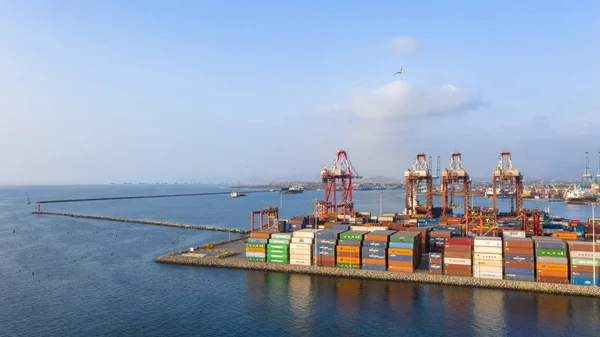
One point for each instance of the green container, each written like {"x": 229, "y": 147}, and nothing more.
{"x": 255, "y": 245}
{"x": 278, "y": 261}
{"x": 550, "y": 252}
{"x": 278, "y": 251}
{"x": 278, "y": 256}
{"x": 398, "y": 238}
{"x": 277, "y": 246}
{"x": 255, "y": 259}
{"x": 347, "y": 265}
{"x": 285, "y": 236}
{"x": 352, "y": 235}
{"x": 279, "y": 241}
{"x": 585, "y": 262}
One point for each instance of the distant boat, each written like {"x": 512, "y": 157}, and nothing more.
{"x": 28, "y": 202}
{"x": 292, "y": 190}
{"x": 237, "y": 194}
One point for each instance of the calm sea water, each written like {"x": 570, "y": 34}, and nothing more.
{"x": 64, "y": 277}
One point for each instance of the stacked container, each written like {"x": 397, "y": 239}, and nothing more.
{"x": 374, "y": 250}
{"x": 584, "y": 263}
{"x": 256, "y": 247}
{"x": 458, "y": 257}
{"x": 325, "y": 247}
{"x": 348, "y": 249}
{"x": 519, "y": 262}
{"x": 436, "y": 263}
{"x": 301, "y": 247}
{"x": 404, "y": 252}
{"x": 487, "y": 258}
{"x": 298, "y": 222}
{"x": 437, "y": 240}
{"x": 278, "y": 249}
{"x": 551, "y": 260}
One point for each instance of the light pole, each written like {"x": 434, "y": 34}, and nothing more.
{"x": 380, "y": 203}
{"x": 593, "y": 243}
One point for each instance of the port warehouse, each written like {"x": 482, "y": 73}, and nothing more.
{"x": 520, "y": 244}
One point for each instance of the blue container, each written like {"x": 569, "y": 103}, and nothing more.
{"x": 436, "y": 255}
{"x": 329, "y": 234}
{"x": 584, "y": 281}
{"x": 376, "y": 250}
{"x": 519, "y": 277}
{"x": 259, "y": 255}
{"x": 587, "y": 276}
{"x": 325, "y": 253}
{"x": 257, "y": 240}
{"x": 404, "y": 245}
{"x": 394, "y": 257}
{"x": 373, "y": 267}
{"x": 330, "y": 248}
{"x": 341, "y": 227}
{"x": 349, "y": 243}
{"x": 377, "y": 256}
{"x": 326, "y": 242}
{"x": 519, "y": 271}
{"x": 375, "y": 244}
{"x": 518, "y": 258}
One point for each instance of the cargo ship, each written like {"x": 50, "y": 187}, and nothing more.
{"x": 502, "y": 193}
{"x": 577, "y": 195}
{"x": 292, "y": 190}
{"x": 237, "y": 194}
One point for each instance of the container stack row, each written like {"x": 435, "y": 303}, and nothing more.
{"x": 404, "y": 252}
{"x": 348, "y": 250}
{"x": 436, "y": 263}
{"x": 256, "y": 247}
{"x": 487, "y": 258}
{"x": 301, "y": 247}
{"x": 551, "y": 260}
{"x": 325, "y": 250}
{"x": 278, "y": 248}
{"x": 458, "y": 257}
{"x": 519, "y": 259}
{"x": 374, "y": 250}
{"x": 585, "y": 263}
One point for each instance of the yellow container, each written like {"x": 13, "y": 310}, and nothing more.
{"x": 256, "y": 250}
{"x": 553, "y": 267}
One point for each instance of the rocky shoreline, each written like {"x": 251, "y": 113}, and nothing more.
{"x": 548, "y": 288}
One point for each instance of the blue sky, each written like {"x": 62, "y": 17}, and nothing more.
{"x": 114, "y": 91}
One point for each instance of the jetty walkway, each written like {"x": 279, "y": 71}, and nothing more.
{"x": 143, "y": 197}
{"x": 146, "y": 222}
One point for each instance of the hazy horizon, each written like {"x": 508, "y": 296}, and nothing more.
{"x": 99, "y": 92}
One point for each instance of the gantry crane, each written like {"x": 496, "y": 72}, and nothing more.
{"x": 272, "y": 223}
{"x": 506, "y": 173}
{"x": 419, "y": 173}
{"x": 343, "y": 171}
{"x": 455, "y": 174}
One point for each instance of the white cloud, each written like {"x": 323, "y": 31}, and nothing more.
{"x": 404, "y": 45}
{"x": 401, "y": 100}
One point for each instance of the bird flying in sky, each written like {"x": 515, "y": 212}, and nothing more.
{"x": 400, "y": 72}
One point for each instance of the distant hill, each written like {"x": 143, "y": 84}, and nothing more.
{"x": 380, "y": 179}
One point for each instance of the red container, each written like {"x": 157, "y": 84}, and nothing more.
{"x": 461, "y": 273}
{"x": 518, "y": 251}
{"x": 459, "y": 241}
{"x": 458, "y": 255}
{"x": 401, "y": 269}
{"x": 516, "y": 264}
{"x": 518, "y": 244}
{"x": 553, "y": 279}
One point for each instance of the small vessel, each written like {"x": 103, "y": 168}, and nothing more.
{"x": 28, "y": 202}
{"x": 292, "y": 190}
{"x": 237, "y": 194}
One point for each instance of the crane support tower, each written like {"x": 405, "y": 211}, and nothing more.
{"x": 586, "y": 179}
{"x": 598, "y": 173}
{"x": 272, "y": 214}
{"x": 339, "y": 175}
{"x": 419, "y": 173}
{"x": 455, "y": 174}
{"x": 506, "y": 173}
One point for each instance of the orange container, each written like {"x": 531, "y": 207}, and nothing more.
{"x": 553, "y": 267}
{"x": 256, "y": 250}
{"x": 347, "y": 249}
{"x": 377, "y": 262}
{"x": 458, "y": 255}
{"x": 400, "y": 263}
{"x": 552, "y": 273}
{"x": 565, "y": 235}
{"x": 400, "y": 251}
{"x": 401, "y": 269}
{"x": 349, "y": 260}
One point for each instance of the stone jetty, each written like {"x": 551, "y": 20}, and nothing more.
{"x": 147, "y": 222}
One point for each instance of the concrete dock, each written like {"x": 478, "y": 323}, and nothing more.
{"x": 238, "y": 261}
{"x": 147, "y": 222}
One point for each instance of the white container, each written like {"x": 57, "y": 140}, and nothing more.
{"x": 488, "y": 250}
{"x": 302, "y": 251}
{"x": 191, "y": 249}
{"x": 513, "y": 234}
{"x": 487, "y": 269}
{"x": 492, "y": 276}
{"x": 302, "y": 240}
{"x": 300, "y": 257}
{"x": 487, "y": 256}
{"x": 301, "y": 262}
{"x": 488, "y": 263}
{"x": 487, "y": 243}
{"x": 377, "y": 228}
{"x": 359, "y": 228}
{"x": 305, "y": 233}
{"x": 452, "y": 260}
{"x": 300, "y": 246}
{"x": 584, "y": 255}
